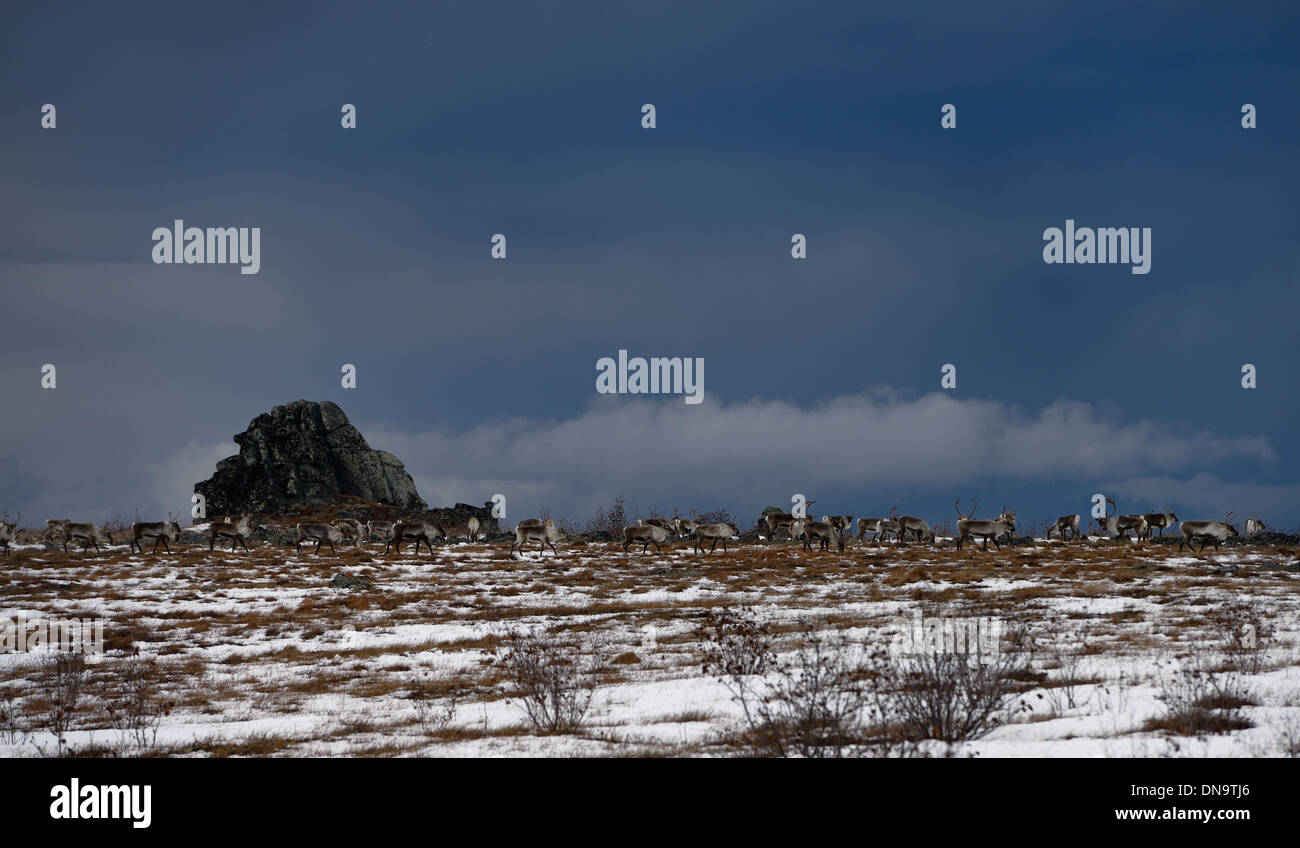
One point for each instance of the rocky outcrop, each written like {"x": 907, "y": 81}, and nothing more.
{"x": 305, "y": 454}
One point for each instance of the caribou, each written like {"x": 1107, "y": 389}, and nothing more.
{"x": 782, "y": 520}
{"x": 715, "y": 532}
{"x": 840, "y": 523}
{"x": 381, "y": 530}
{"x": 1160, "y": 520}
{"x": 882, "y": 527}
{"x": 868, "y": 525}
{"x": 646, "y": 534}
{"x": 320, "y": 534}
{"x": 820, "y": 531}
{"x": 776, "y": 521}
{"x": 351, "y": 530}
{"x": 665, "y": 524}
{"x": 471, "y": 527}
{"x": 685, "y": 526}
{"x": 236, "y": 531}
{"x": 1254, "y": 526}
{"x": 968, "y": 527}
{"x": 420, "y": 531}
{"x": 55, "y": 525}
{"x": 536, "y": 530}
{"x": 162, "y": 532}
{"x": 1122, "y": 525}
{"x": 885, "y": 526}
{"x": 1065, "y": 524}
{"x": 1217, "y": 532}
{"x": 89, "y": 533}
{"x": 7, "y": 530}
{"x": 912, "y": 524}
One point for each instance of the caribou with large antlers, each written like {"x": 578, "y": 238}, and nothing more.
{"x": 969, "y": 527}
{"x": 1121, "y": 525}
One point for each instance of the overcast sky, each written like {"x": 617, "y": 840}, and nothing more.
{"x": 821, "y": 374}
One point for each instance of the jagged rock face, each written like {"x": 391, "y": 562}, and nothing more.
{"x": 305, "y": 453}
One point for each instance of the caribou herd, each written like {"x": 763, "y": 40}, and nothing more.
{"x": 657, "y": 531}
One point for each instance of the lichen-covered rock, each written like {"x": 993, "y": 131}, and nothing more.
{"x": 305, "y": 454}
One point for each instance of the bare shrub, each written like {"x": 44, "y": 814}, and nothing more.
{"x": 1288, "y": 736}
{"x": 551, "y": 685}
{"x": 1199, "y": 701}
{"x": 611, "y": 521}
{"x": 813, "y": 703}
{"x": 134, "y": 705}
{"x": 738, "y": 649}
{"x": 118, "y": 525}
{"x": 1066, "y": 648}
{"x": 948, "y": 695}
{"x": 13, "y": 728}
{"x": 61, "y": 680}
{"x": 1243, "y": 632}
{"x": 818, "y": 704}
{"x": 435, "y": 702}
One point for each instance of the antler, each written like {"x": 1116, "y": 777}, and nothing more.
{"x": 1111, "y": 501}
{"x": 956, "y": 505}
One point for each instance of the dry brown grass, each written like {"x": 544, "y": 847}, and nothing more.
{"x": 262, "y": 634}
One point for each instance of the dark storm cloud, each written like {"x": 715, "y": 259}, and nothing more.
{"x": 924, "y": 247}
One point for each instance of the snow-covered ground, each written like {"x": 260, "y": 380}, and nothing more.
{"x": 258, "y": 655}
